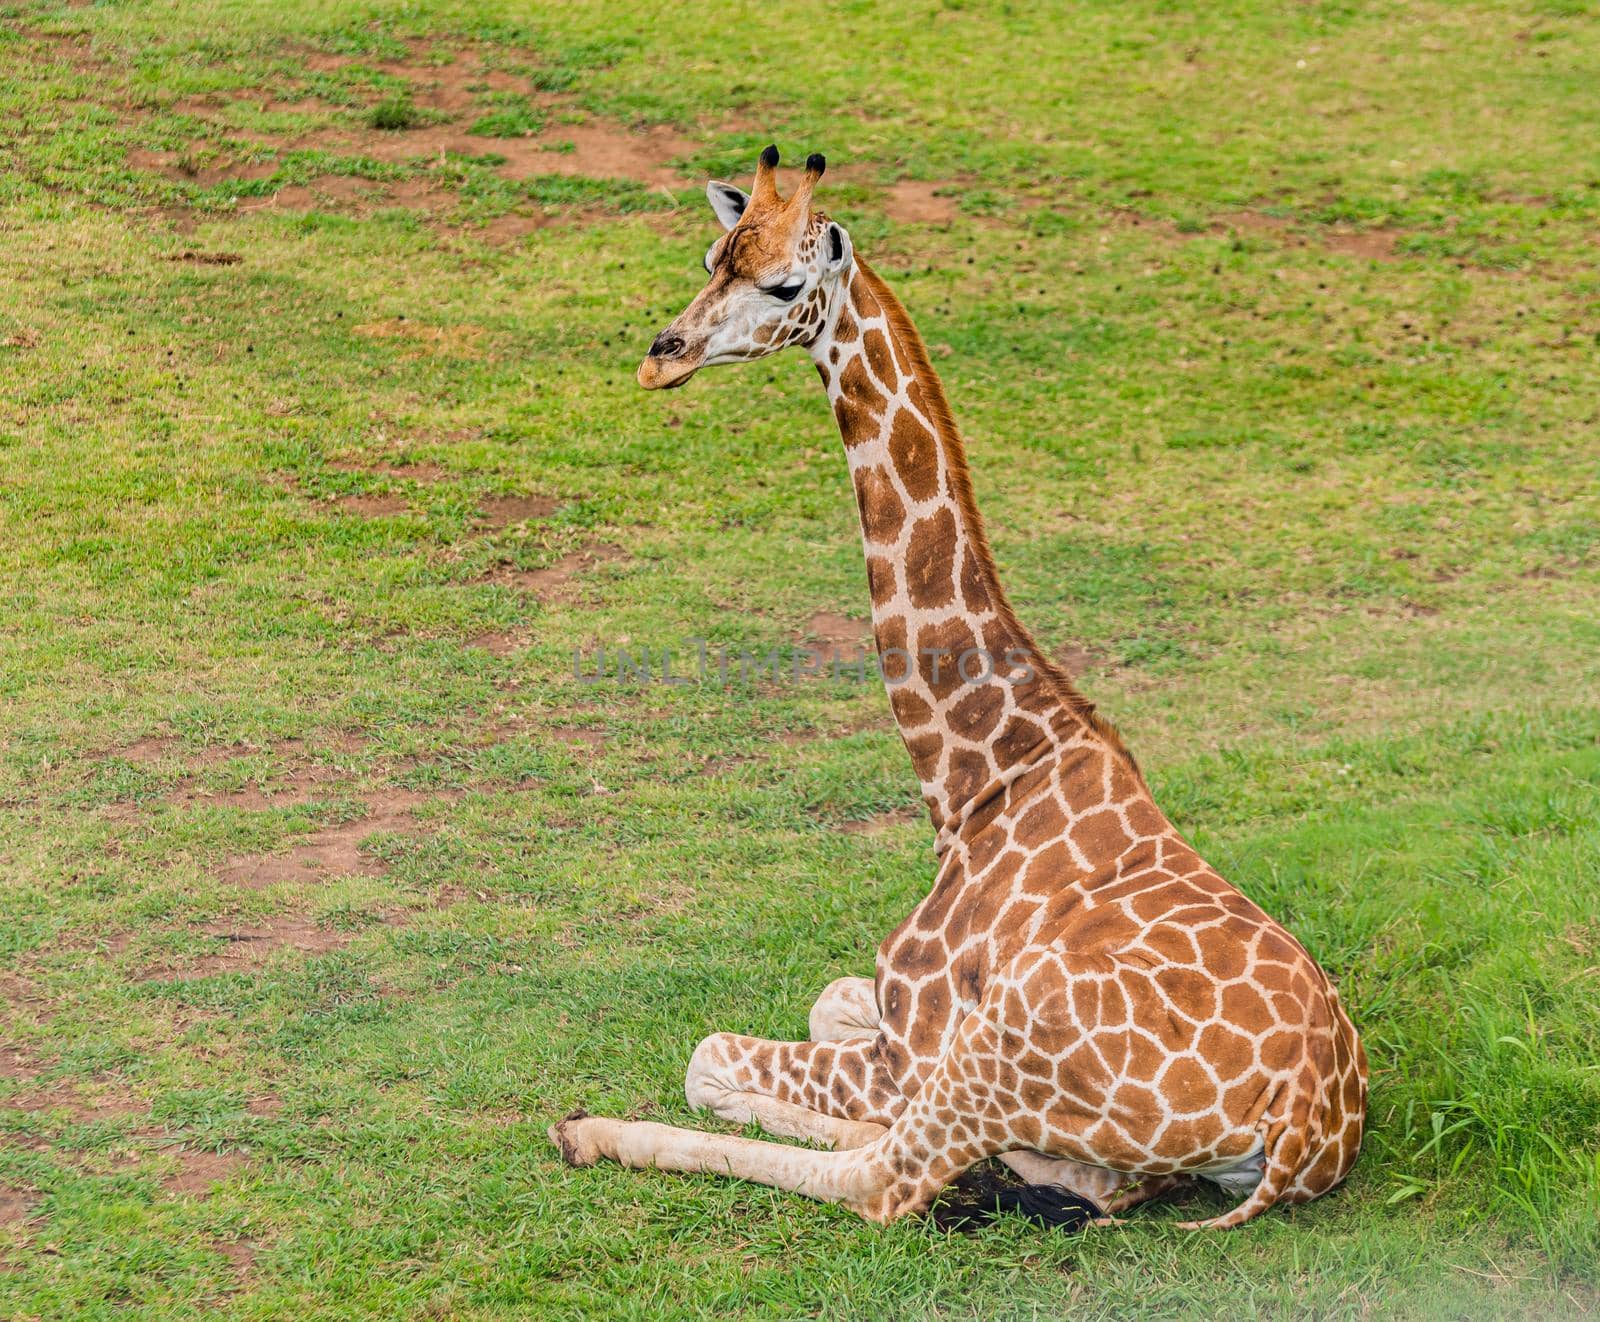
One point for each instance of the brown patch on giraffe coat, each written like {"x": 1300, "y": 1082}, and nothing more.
{"x": 975, "y": 595}
{"x": 969, "y": 772}
{"x": 982, "y": 846}
{"x": 915, "y": 455}
{"x": 880, "y": 580}
{"x": 929, "y": 562}
{"x": 866, "y": 302}
{"x": 1243, "y": 1005}
{"x": 939, "y": 647}
{"x": 858, "y": 407}
{"x": 880, "y": 360}
{"x": 978, "y": 713}
{"x": 1042, "y": 822}
{"x": 882, "y": 512}
{"x": 1020, "y": 739}
{"x": 1100, "y": 835}
{"x": 894, "y": 649}
{"x": 910, "y": 711}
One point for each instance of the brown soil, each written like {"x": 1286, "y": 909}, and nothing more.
{"x": 498, "y": 644}
{"x": 592, "y": 147}
{"x": 504, "y": 511}
{"x": 1375, "y": 245}
{"x": 836, "y": 638}
{"x": 240, "y": 1253}
{"x": 556, "y": 583}
{"x": 198, "y": 1171}
{"x": 919, "y": 202}
{"x": 269, "y": 1105}
{"x": 335, "y": 851}
{"x": 1077, "y": 660}
{"x": 250, "y": 947}
{"x": 1369, "y": 245}
{"x": 374, "y": 507}
{"x": 17, "y": 1065}
{"x": 573, "y": 735}
{"x": 80, "y": 1109}
{"x": 15, "y": 1206}
{"x": 150, "y": 749}
{"x": 25, "y": 1000}
{"x": 882, "y": 822}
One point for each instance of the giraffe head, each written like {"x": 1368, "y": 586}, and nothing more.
{"x": 775, "y": 277}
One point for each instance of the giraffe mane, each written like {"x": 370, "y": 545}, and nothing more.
{"x": 944, "y": 422}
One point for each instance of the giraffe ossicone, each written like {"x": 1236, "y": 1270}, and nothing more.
{"x": 1079, "y": 993}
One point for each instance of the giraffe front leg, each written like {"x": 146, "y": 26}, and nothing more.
{"x": 953, "y": 1122}
{"x": 837, "y": 1093}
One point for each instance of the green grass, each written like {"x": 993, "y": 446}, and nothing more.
{"x": 1280, "y": 380}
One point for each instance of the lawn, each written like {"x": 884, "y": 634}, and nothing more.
{"x": 1275, "y": 331}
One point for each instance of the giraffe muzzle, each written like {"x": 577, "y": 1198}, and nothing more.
{"x": 669, "y": 362}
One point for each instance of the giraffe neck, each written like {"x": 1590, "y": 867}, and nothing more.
{"x": 977, "y": 702}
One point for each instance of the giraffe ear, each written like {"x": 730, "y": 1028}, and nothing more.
{"x": 836, "y": 248}
{"x": 727, "y": 201}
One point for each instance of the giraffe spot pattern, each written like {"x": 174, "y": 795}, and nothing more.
{"x": 1077, "y": 981}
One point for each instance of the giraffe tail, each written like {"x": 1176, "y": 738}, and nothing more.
{"x": 985, "y": 1198}
{"x": 1286, "y": 1144}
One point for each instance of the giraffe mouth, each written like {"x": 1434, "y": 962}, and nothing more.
{"x": 666, "y": 373}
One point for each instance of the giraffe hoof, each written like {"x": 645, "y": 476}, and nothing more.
{"x": 568, "y": 1136}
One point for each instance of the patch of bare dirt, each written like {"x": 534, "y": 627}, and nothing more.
{"x": 269, "y": 1105}
{"x": 79, "y": 1107}
{"x": 882, "y": 822}
{"x": 1369, "y": 245}
{"x": 152, "y": 748}
{"x": 180, "y": 165}
{"x": 249, "y": 947}
{"x": 240, "y": 1253}
{"x": 15, "y": 1205}
{"x": 512, "y": 226}
{"x": 1077, "y": 659}
{"x": 25, "y": 999}
{"x": 505, "y": 511}
{"x": 835, "y": 637}
{"x": 576, "y": 735}
{"x": 1375, "y": 245}
{"x": 556, "y": 583}
{"x": 335, "y": 851}
{"x": 498, "y": 643}
{"x": 374, "y": 506}
{"x": 919, "y": 202}
{"x": 568, "y": 142}
{"x": 198, "y": 1171}
{"x": 17, "y": 1065}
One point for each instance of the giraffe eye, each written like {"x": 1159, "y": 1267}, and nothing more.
{"x": 787, "y": 293}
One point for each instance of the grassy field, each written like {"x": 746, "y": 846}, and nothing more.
{"x": 1275, "y": 330}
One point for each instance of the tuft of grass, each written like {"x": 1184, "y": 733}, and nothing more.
{"x": 394, "y": 115}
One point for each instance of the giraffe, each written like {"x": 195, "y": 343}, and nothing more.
{"x": 1078, "y": 993}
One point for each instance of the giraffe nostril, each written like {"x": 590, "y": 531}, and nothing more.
{"x": 667, "y": 345}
